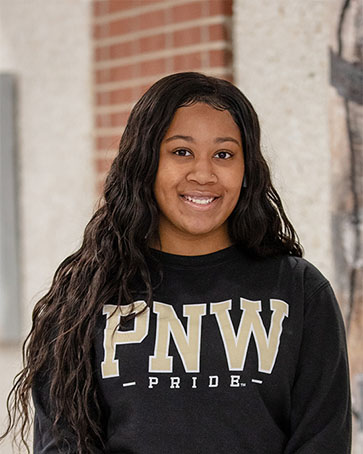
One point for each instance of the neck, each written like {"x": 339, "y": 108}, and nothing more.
{"x": 193, "y": 245}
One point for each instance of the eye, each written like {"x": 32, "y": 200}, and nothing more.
{"x": 223, "y": 155}
{"x": 182, "y": 152}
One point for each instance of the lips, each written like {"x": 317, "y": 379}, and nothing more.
{"x": 200, "y": 200}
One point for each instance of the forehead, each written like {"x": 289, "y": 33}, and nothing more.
{"x": 201, "y": 118}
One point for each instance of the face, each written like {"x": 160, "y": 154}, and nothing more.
{"x": 199, "y": 180}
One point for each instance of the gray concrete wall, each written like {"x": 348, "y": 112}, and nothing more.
{"x": 281, "y": 63}
{"x": 47, "y": 45}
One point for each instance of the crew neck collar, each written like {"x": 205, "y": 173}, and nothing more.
{"x": 214, "y": 258}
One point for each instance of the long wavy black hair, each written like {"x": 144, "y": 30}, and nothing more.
{"x": 116, "y": 248}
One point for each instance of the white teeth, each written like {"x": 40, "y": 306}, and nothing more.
{"x": 200, "y": 201}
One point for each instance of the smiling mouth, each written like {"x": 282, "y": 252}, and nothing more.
{"x": 201, "y": 201}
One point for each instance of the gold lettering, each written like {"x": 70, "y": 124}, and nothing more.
{"x": 114, "y": 337}
{"x": 188, "y": 345}
{"x": 250, "y": 323}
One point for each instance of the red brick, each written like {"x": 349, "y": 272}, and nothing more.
{"x": 229, "y": 77}
{"x": 138, "y": 91}
{"x": 102, "y": 99}
{"x": 103, "y": 165}
{"x": 112, "y": 120}
{"x": 115, "y": 97}
{"x": 152, "y": 43}
{"x": 120, "y": 119}
{"x": 217, "y": 32}
{"x": 100, "y": 31}
{"x": 187, "y": 37}
{"x": 122, "y": 26}
{"x": 125, "y": 49}
{"x": 150, "y": 20}
{"x": 191, "y": 10}
{"x": 129, "y": 24}
{"x": 103, "y": 121}
{"x": 99, "y": 53}
{"x": 220, "y": 57}
{"x": 216, "y": 58}
{"x": 187, "y": 11}
{"x": 144, "y": 88}
{"x": 188, "y": 62}
{"x": 122, "y": 95}
{"x": 121, "y": 5}
{"x": 100, "y": 8}
{"x": 217, "y": 7}
{"x": 152, "y": 67}
{"x": 107, "y": 143}
{"x": 125, "y": 72}
{"x": 113, "y": 28}
{"x": 179, "y": 13}
{"x": 129, "y": 48}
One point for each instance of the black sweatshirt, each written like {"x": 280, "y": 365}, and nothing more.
{"x": 236, "y": 355}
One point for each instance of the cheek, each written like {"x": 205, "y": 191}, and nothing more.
{"x": 234, "y": 185}
{"x": 157, "y": 191}
{"x": 162, "y": 186}
{"x": 166, "y": 179}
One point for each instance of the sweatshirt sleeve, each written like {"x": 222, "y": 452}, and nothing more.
{"x": 44, "y": 441}
{"x": 320, "y": 421}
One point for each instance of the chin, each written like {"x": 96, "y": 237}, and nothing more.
{"x": 199, "y": 230}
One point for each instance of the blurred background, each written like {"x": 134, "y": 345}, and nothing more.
{"x": 71, "y": 70}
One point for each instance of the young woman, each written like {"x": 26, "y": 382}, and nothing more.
{"x": 187, "y": 322}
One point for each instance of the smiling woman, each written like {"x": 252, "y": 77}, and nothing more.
{"x": 188, "y": 321}
{"x": 199, "y": 180}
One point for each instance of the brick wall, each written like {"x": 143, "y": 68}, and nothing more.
{"x": 136, "y": 42}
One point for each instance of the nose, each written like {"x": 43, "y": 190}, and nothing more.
{"x": 201, "y": 171}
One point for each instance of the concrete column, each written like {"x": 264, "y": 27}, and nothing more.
{"x": 282, "y": 64}
{"x": 47, "y": 45}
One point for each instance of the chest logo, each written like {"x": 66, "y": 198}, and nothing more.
{"x": 188, "y": 341}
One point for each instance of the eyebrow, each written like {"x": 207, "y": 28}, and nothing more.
{"x": 190, "y": 139}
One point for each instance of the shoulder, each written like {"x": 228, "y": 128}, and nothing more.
{"x": 302, "y": 285}
{"x": 311, "y": 276}
{"x": 295, "y": 273}
{"x": 319, "y": 297}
